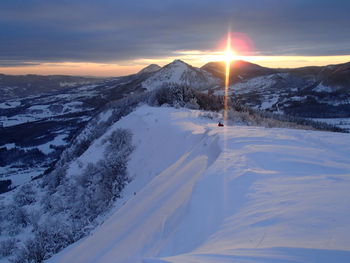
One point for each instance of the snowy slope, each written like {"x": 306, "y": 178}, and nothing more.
{"x": 235, "y": 194}
{"x": 275, "y": 92}
{"x": 34, "y": 130}
{"x": 181, "y": 73}
{"x": 309, "y": 92}
{"x": 286, "y": 93}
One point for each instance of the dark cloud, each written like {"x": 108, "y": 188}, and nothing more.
{"x": 110, "y": 30}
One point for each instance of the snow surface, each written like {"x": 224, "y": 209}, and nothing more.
{"x": 322, "y": 88}
{"x": 39, "y": 112}
{"x": 19, "y": 176}
{"x": 9, "y": 104}
{"x": 203, "y": 193}
{"x": 46, "y": 148}
{"x": 269, "y": 102}
{"x": 255, "y": 84}
{"x": 103, "y": 116}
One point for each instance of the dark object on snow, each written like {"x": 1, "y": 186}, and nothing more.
{"x": 220, "y": 124}
{"x": 5, "y": 186}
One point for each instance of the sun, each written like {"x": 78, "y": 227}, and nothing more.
{"x": 229, "y": 55}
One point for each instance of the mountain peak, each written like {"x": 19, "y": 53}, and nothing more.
{"x": 181, "y": 73}
{"x": 178, "y": 63}
{"x": 149, "y": 69}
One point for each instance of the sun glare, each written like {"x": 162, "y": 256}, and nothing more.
{"x": 229, "y": 56}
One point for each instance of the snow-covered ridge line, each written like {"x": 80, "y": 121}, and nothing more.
{"x": 203, "y": 193}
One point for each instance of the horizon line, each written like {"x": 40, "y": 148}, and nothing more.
{"x": 124, "y": 68}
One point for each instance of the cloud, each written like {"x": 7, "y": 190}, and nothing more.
{"x": 14, "y": 63}
{"x": 106, "y": 30}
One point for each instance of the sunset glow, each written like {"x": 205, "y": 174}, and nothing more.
{"x": 196, "y": 58}
{"x": 103, "y": 38}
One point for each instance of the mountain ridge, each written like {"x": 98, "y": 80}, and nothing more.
{"x": 161, "y": 216}
{"x": 32, "y": 127}
{"x": 81, "y": 185}
{"x": 245, "y": 67}
{"x": 315, "y": 92}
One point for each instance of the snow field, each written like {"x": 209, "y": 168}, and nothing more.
{"x": 201, "y": 193}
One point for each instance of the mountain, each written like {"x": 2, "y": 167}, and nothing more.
{"x": 336, "y": 76}
{"x": 239, "y": 70}
{"x": 202, "y": 193}
{"x": 180, "y": 72}
{"x": 35, "y": 130}
{"x": 149, "y": 69}
{"x": 332, "y": 76}
{"x": 134, "y": 182}
{"x": 19, "y": 86}
{"x": 309, "y": 92}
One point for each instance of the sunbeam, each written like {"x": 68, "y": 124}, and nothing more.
{"x": 229, "y": 56}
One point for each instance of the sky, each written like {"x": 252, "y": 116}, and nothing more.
{"x": 113, "y": 37}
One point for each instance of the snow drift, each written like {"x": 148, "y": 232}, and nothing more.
{"x": 203, "y": 193}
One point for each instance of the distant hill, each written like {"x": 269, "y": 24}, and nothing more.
{"x": 306, "y": 92}
{"x": 239, "y": 70}
{"x": 19, "y": 86}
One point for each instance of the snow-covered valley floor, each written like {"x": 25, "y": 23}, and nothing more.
{"x": 207, "y": 194}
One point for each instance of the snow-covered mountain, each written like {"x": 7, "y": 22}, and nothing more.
{"x": 34, "y": 130}
{"x": 180, "y": 72}
{"x": 311, "y": 92}
{"x": 20, "y": 86}
{"x": 151, "y": 174}
{"x": 202, "y": 193}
